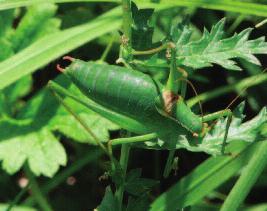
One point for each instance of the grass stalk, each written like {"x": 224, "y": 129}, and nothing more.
{"x": 36, "y": 191}
{"x": 247, "y": 179}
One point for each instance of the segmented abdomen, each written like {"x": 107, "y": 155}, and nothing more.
{"x": 120, "y": 89}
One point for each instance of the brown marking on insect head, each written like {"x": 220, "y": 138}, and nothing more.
{"x": 169, "y": 99}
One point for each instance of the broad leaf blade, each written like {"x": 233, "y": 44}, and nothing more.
{"x": 53, "y": 46}
{"x": 21, "y": 143}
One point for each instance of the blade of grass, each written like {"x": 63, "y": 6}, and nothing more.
{"x": 204, "y": 179}
{"x": 247, "y": 179}
{"x": 51, "y": 47}
{"x": 9, "y": 4}
{"x": 246, "y": 8}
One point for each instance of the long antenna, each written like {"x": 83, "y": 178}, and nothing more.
{"x": 195, "y": 92}
{"x": 242, "y": 91}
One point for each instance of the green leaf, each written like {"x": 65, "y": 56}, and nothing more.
{"x": 141, "y": 31}
{"x": 6, "y": 49}
{"x": 6, "y": 19}
{"x": 109, "y": 202}
{"x": 38, "y": 146}
{"x": 140, "y": 203}
{"x": 136, "y": 185}
{"x": 213, "y": 49}
{"x": 205, "y": 178}
{"x": 17, "y": 208}
{"x": 30, "y": 138}
{"x": 50, "y": 114}
{"x": 247, "y": 8}
{"x": 50, "y": 47}
{"x": 7, "y": 4}
{"x": 9, "y": 102}
{"x": 31, "y": 24}
{"x": 249, "y": 131}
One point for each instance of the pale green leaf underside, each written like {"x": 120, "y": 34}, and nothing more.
{"x": 213, "y": 48}
{"x": 37, "y": 146}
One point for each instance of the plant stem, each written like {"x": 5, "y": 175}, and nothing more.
{"x": 242, "y": 85}
{"x": 36, "y": 192}
{"x": 127, "y": 19}
{"x": 61, "y": 177}
{"x": 125, "y": 148}
{"x": 107, "y": 49}
{"x": 18, "y": 197}
{"x": 247, "y": 179}
{"x": 124, "y": 157}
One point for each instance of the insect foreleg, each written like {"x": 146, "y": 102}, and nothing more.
{"x": 228, "y": 113}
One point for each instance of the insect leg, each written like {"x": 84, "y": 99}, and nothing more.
{"x": 175, "y": 85}
{"x": 129, "y": 140}
{"x": 79, "y": 119}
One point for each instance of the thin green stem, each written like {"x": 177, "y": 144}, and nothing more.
{"x": 124, "y": 157}
{"x": 247, "y": 179}
{"x": 236, "y": 23}
{"x": 70, "y": 170}
{"x": 168, "y": 166}
{"x": 36, "y": 192}
{"x": 244, "y": 84}
{"x": 152, "y": 51}
{"x": 18, "y": 197}
{"x": 127, "y": 20}
{"x": 107, "y": 49}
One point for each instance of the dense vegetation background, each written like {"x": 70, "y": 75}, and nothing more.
{"x": 65, "y": 174}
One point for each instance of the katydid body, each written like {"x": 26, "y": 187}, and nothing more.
{"x": 137, "y": 103}
{"x": 133, "y": 94}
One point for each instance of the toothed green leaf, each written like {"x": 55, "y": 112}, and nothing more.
{"x": 249, "y": 131}
{"x": 213, "y": 48}
{"x": 20, "y": 143}
{"x": 109, "y": 202}
{"x": 142, "y": 32}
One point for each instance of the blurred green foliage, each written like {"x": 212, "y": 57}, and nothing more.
{"x": 37, "y": 132}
